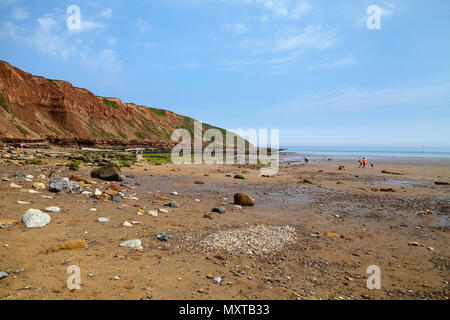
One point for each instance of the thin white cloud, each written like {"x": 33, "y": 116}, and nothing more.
{"x": 20, "y": 13}
{"x": 334, "y": 64}
{"x": 106, "y": 13}
{"x": 290, "y": 9}
{"x": 360, "y": 99}
{"x": 142, "y": 25}
{"x": 240, "y": 28}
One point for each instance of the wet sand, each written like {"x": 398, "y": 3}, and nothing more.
{"x": 372, "y": 228}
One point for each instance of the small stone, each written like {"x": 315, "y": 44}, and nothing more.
{"x": 208, "y": 215}
{"x": 153, "y": 213}
{"x": 127, "y": 224}
{"x": 163, "y": 211}
{"x": 34, "y": 218}
{"x": 64, "y": 185}
{"x": 103, "y": 220}
{"x": 414, "y": 244}
{"x": 131, "y": 176}
{"x": 332, "y": 235}
{"x": 172, "y": 204}
{"x": 135, "y": 244}
{"x": 53, "y": 209}
{"x": 115, "y": 199}
{"x": 217, "y": 280}
{"x": 430, "y": 248}
{"x": 93, "y": 210}
{"x": 162, "y": 237}
{"x": 174, "y": 193}
{"x": 38, "y": 186}
{"x": 116, "y": 278}
{"x": 3, "y": 275}
{"x": 91, "y": 275}
{"x": 14, "y": 186}
{"x": 23, "y": 202}
{"x": 98, "y": 192}
{"x": 67, "y": 261}
{"x": 219, "y": 210}
{"x": 243, "y": 200}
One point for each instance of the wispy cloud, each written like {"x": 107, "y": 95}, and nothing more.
{"x": 142, "y": 25}
{"x": 348, "y": 61}
{"x": 290, "y": 9}
{"x": 361, "y": 99}
{"x": 20, "y": 13}
{"x": 106, "y": 13}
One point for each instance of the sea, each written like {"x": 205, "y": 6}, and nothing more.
{"x": 372, "y": 152}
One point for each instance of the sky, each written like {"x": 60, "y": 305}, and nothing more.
{"x": 312, "y": 69}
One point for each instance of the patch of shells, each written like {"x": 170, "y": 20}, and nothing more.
{"x": 258, "y": 240}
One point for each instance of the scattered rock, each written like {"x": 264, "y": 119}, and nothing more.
{"x": 103, "y": 220}
{"x": 19, "y": 175}
{"x": 109, "y": 172}
{"x": 387, "y": 190}
{"x": 53, "y": 209}
{"x": 244, "y": 200}
{"x": 172, "y": 204}
{"x": 163, "y": 211}
{"x": 116, "y": 278}
{"x": 23, "y": 202}
{"x": 135, "y": 244}
{"x": 308, "y": 181}
{"x": 414, "y": 244}
{"x": 38, "y": 186}
{"x": 3, "y": 275}
{"x": 440, "y": 183}
{"x": 239, "y": 176}
{"x": 131, "y": 176}
{"x": 217, "y": 280}
{"x": 15, "y": 186}
{"x": 342, "y": 168}
{"x": 115, "y": 198}
{"x": 162, "y": 237}
{"x": 425, "y": 213}
{"x": 153, "y": 213}
{"x": 127, "y": 224}
{"x": 219, "y": 210}
{"x": 332, "y": 235}
{"x": 174, "y": 193}
{"x": 34, "y": 218}
{"x": 64, "y": 185}
{"x": 208, "y": 215}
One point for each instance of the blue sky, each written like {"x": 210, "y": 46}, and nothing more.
{"x": 309, "y": 68}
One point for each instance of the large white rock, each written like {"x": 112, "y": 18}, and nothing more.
{"x": 34, "y": 218}
{"x": 136, "y": 244}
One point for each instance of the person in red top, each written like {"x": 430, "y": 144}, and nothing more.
{"x": 364, "y": 162}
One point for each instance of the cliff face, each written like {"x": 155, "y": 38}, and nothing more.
{"x": 36, "y": 109}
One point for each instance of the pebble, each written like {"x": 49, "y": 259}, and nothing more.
{"x": 172, "y": 204}
{"x": 135, "y": 244}
{"x": 33, "y": 191}
{"x": 414, "y": 244}
{"x": 217, "y": 280}
{"x": 174, "y": 193}
{"x": 67, "y": 261}
{"x": 153, "y": 213}
{"x": 3, "y": 275}
{"x": 98, "y": 192}
{"x": 93, "y": 209}
{"x": 116, "y": 278}
{"x": 131, "y": 176}
{"x": 219, "y": 210}
{"x": 23, "y": 202}
{"x": 127, "y": 224}
{"x": 163, "y": 211}
{"x": 163, "y": 237}
{"x": 197, "y": 200}
{"x": 103, "y": 220}
{"x": 53, "y": 209}
{"x": 34, "y": 218}
{"x": 91, "y": 275}
{"x": 14, "y": 186}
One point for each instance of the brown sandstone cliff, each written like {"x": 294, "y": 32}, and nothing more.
{"x": 36, "y": 109}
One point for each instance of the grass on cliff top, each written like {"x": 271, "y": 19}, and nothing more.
{"x": 159, "y": 112}
{"x": 110, "y": 103}
{"x": 53, "y": 83}
{"x": 3, "y": 103}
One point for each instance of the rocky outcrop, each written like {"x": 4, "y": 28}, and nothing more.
{"x": 35, "y": 109}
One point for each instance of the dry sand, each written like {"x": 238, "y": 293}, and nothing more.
{"x": 278, "y": 249}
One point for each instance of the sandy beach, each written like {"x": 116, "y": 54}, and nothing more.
{"x": 312, "y": 234}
